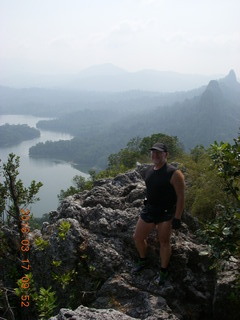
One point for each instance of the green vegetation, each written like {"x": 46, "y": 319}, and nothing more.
{"x": 65, "y": 278}
{"x": 205, "y": 189}
{"x": 14, "y": 134}
{"x": 223, "y": 232}
{"x": 14, "y": 220}
{"x": 56, "y": 263}
{"x": 227, "y": 161}
{"x": 41, "y": 244}
{"x": 44, "y": 299}
{"x": 46, "y": 303}
{"x": 63, "y": 229}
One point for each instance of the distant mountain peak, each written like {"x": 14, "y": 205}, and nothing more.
{"x": 231, "y": 81}
{"x": 231, "y": 77}
{"x": 212, "y": 95}
{"x": 214, "y": 87}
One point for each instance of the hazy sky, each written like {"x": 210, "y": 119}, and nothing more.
{"x": 66, "y": 36}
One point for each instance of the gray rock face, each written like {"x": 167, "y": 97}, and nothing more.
{"x": 89, "y": 313}
{"x": 89, "y": 261}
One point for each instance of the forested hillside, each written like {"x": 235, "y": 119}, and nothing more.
{"x": 14, "y": 134}
{"x": 58, "y": 102}
{"x": 212, "y": 115}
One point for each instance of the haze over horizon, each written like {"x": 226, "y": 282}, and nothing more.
{"x": 60, "y": 37}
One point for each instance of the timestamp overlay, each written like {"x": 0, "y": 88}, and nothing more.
{"x": 25, "y": 262}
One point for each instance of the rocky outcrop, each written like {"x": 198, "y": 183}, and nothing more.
{"x": 86, "y": 254}
{"x": 90, "y": 313}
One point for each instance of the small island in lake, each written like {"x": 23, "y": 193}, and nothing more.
{"x": 14, "y": 134}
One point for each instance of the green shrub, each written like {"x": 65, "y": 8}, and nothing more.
{"x": 65, "y": 278}
{"x": 222, "y": 234}
{"x": 204, "y": 188}
{"x": 41, "y": 244}
{"x": 45, "y": 303}
{"x": 63, "y": 229}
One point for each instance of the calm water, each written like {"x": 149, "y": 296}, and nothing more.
{"x": 55, "y": 175}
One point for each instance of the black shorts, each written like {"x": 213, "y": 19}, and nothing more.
{"x": 155, "y": 214}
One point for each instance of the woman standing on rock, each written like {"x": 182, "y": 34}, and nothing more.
{"x": 163, "y": 208}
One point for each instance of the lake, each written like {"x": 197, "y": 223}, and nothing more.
{"x": 55, "y": 175}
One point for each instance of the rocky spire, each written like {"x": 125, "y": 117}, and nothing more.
{"x": 231, "y": 77}
{"x": 230, "y": 80}
{"x": 212, "y": 96}
{"x": 214, "y": 87}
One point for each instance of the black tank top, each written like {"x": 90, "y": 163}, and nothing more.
{"x": 160, "y": 192}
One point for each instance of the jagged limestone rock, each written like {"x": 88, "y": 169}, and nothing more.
{"x": 89, "y": 313}
{"x": 97, "y": 255}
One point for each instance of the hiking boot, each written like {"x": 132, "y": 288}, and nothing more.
{"x": 161, "y": 278}
{"x": 140, "y": 265}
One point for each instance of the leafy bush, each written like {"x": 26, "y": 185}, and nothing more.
{"x": 204, "y": 187}
{"x": 63, "y": 229}
{"x": 45, "y": 299}
{"x": 45, "y": 303}
{"x": 65, "y": 278}
{"x": 226, "y": 158}
{"x": 223, "y": 232}
{"x": 14, "y": 199}
{"x": 41, "y": 243}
